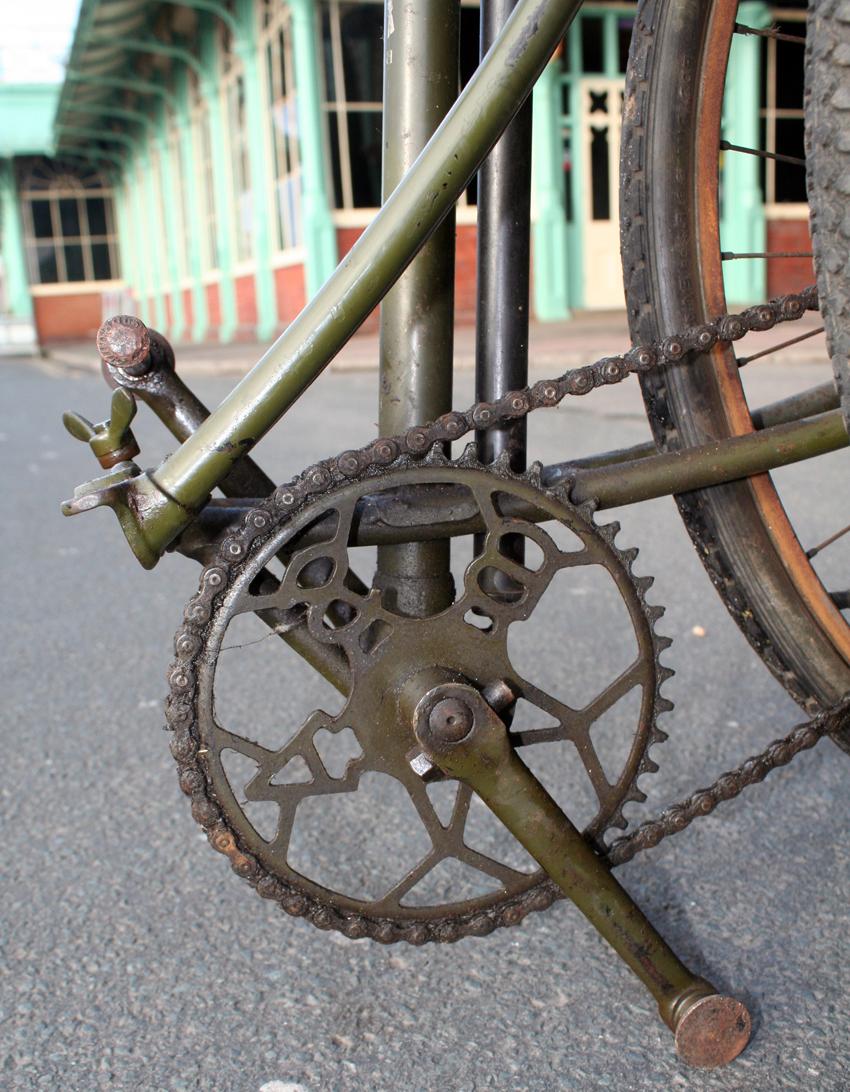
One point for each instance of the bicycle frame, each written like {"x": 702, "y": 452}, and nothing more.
{"x": 155, "y": 507}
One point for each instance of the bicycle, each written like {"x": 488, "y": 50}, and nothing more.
{"x": 431, "y": 697}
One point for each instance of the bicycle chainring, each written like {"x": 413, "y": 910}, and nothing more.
{"x": 420, "y": 872}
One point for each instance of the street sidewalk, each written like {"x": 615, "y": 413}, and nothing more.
{"x": 553, "y": 347}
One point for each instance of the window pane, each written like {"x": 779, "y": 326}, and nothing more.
{"x": 327, "y": 55}
{"x": 790, "y": 69}
{"x": 624, "y": 37}
{"x": 364, "y": 139}
{"x": 362, "y": 33}
{"x": 69, "y": 216}
{"x": 790, "y": 178}
{"x": 600, "y": 180}
{"x": 96, "y": 208}
{"x": 591, "y": 43}
{"x": 100, "y": 262}
{"x": 336, "y": 168}
{"x": 41, "y": 222}
{"x": 74, "y": 262}
{"x": 47, "y": 271}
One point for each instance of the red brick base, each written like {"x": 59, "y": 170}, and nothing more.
{"x": 788, "y": 274}
{"x": 76, "y": 315}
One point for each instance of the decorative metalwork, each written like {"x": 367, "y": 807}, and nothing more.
{"x": 387, "y": 653}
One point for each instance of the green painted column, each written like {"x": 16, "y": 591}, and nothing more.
{"x": 319, "y": 232}
{"x": 156, "y": 257}
{"x": 549, "y": 223}
{"x": 742, "y": 221}
{"x": 144, "y": 280}
{"x": 256, "y": 117}
{"x": 189, "y": 157}
{"x": 221, "y": 189}
{"x": 168, "y": 201}
{"x": 18, "y": 299}
{"x": 610, "y": 44}
{"x": 127, "y": 254}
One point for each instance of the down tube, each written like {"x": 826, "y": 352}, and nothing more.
{"x": 418, "y": 204}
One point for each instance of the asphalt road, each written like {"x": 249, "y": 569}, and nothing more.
{"x": 133, "y": 959}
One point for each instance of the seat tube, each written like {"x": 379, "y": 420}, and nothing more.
{"x": 421, "y": 65}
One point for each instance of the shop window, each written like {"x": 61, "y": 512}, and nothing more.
{"x": 68, "y": 225}
{"x": 782, "y": 110}
{"x": 352, "y": 46}
{"x": 283, "y": 117}
{"x": 203, "y": 147}
{"x": 352, "y": 54}
{"x": 240, "y": 170}
{"x": 592, "y": 44}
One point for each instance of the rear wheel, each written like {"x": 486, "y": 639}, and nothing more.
{"x": 673, "y": 278}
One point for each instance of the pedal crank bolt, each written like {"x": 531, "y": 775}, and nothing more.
{"x": 451, "y": 720}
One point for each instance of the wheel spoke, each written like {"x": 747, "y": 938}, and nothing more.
{"x": 725, "y": 146}
{"x": 732, "y": 256}
{"x": 815, "y": 550}
{"x": 743, "y": 360}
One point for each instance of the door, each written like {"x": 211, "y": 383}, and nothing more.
{"x": 600, "y": 111}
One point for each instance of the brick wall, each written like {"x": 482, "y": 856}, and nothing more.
{"x": 76, "y": 315}
{"x": 289, "y": 292}
{"x": 213, "y": 310}
{"x": 246, "y": 302}
{"x": 189, "y": 312}
{"x": 465, "y": 237}
{"x": 788, "y": 274}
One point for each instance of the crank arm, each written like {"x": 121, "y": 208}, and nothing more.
{"x": 463, "y": 736}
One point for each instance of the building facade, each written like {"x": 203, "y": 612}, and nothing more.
{"x": 210, "y": 161}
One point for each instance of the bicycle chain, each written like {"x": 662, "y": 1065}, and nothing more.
{"x": 417, "y": 442}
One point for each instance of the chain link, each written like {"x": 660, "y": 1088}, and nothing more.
{"x": 729, "y": 785}
{"x": 418, "y": 440}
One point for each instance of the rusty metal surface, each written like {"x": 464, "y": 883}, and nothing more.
{"x": 383, "y": 649}
{"x": 712, "y": 1032}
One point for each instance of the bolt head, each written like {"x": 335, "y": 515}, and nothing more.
{"x": 451, "y": 720}
{"x": 123, "y": 342}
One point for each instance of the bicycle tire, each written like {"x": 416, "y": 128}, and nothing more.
{"x": 827, "y": 122}
{"x": 673, "y": 279}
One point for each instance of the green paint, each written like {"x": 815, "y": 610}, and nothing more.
{"x": 18, "y": 301}
{"x": 256, "y": 114}
{"x": 158, "y": 48}
{"x": 317, "y": 223}
{"x": 610, "y": 45}
{"x": 167, "y": 200}
{"x": 90, "y": 133}
{"x": 742, "y": 219}
{"x": 151, "y": 221}
{"x": 126, "y": 249}
{"x": 575, "y": 229}
{"x": 142, "y": 243}
{"x": 220, "y": 174}
{"x": 189, "y": 157}
{"x": 26, "y": 118}
{"x": 549, "y": 226}
{"x": 121, "y": 83}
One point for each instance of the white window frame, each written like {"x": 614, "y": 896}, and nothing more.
{"x": 53, "y": 194}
